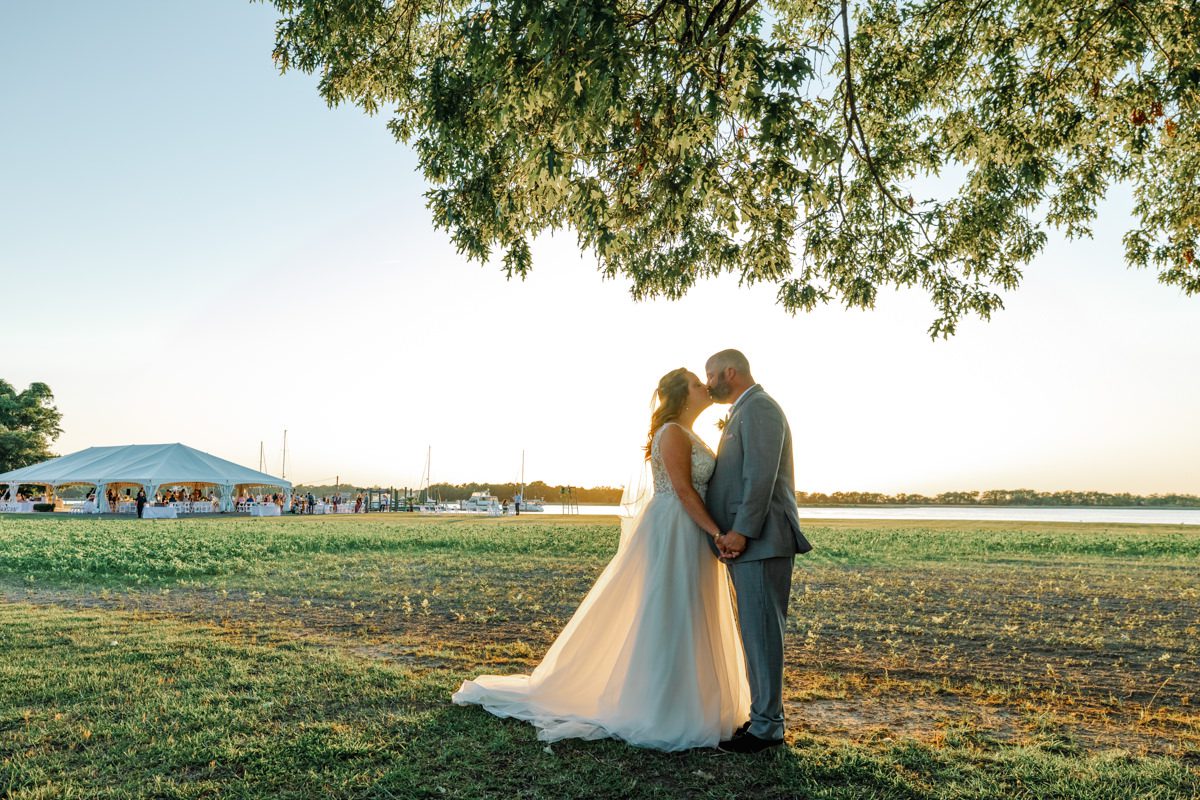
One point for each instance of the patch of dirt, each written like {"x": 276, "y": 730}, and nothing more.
{"x": 948, "y": 718}
{"x": 890, "y": 716}
{"x": 367, "y": 630}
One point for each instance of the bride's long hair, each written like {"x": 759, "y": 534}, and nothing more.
{"x": 672, "y": 395}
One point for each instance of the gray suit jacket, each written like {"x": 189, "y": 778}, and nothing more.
{"x": 753, "y": 490}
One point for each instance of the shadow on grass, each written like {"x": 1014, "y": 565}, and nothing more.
{"x": 467, "y": 753}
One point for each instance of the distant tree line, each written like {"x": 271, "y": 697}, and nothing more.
{"x": 537, "y": 489}
{"x": 1001, "y": 497}
{"x": 451, "y": 492}
{"x": 611, "y": 495}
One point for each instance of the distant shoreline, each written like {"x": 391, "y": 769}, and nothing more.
{"x": 981, "y": 505}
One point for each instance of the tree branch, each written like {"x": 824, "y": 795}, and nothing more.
{"x": 739, "y": 11}
{"x": 712, "y": 17}
{"x": 649, "y": 19}
{"x": 855, "y": 124}
{"x": 1125, "y": 6}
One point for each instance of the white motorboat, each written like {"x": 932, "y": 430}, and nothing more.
{"x": 482, "y": 501}
{"x": 533, "y": 505}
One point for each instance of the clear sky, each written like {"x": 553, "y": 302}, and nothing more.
{"x": 194, "y": 248}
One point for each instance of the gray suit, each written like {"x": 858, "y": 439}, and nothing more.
{"x": 752, "y": 491}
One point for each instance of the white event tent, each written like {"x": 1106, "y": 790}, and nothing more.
{"x": 149, "y": 466}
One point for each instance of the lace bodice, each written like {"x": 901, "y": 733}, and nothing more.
{"x": 703, "y": 463}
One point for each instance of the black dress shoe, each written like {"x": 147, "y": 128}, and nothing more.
{"x": 742, "y": 731}
{"x": 748, "y": 743}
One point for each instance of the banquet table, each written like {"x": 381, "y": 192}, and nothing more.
{"x": 264, "y": 510}
{"x": 17, "y": 508}
{"x": 159, "y": 512}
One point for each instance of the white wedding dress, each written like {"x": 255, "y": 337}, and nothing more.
{"x": 652, "y": 656}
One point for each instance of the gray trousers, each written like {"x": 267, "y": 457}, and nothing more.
{"x": 763, "y": 588}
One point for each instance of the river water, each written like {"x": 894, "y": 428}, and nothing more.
{"x": 1134, "y": 516}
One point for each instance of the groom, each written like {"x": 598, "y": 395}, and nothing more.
{"x": 752, "y": 497}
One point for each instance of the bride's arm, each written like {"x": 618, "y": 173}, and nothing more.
{"x": 676, "y": 450}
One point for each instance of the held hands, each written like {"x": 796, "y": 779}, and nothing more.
{"x": 731, "y": 545}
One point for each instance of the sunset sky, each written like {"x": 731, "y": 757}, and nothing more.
{"x": 194, "y": 248}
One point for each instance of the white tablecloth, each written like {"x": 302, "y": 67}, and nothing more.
{"x": 264, "y": 510}
{"x": 17, "y": 508}
{"x": 159, "y": 512}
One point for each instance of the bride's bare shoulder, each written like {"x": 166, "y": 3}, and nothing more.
{"x": 673, "y": 436}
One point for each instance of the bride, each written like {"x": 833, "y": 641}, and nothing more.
{"x": 652, "y": 656}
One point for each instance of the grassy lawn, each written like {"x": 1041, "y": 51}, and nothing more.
{"x": 315, "y": 657}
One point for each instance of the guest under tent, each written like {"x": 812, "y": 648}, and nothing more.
{"x": 117, "y": 473}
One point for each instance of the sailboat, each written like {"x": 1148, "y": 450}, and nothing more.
{"x": 428, "y": 503}
{"x": 532, "y": 505}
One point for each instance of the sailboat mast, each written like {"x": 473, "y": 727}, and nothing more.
{"x": 427, "y": 477}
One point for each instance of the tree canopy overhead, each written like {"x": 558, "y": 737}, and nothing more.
{"x": 830, "y": 149}
{"x": 28, "y": 424}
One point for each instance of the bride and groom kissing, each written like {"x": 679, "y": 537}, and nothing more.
{"x": 655, "y": 655}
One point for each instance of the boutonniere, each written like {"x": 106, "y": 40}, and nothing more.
{"x": 723, "y": 422}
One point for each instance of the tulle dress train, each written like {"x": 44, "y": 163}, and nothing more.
{"x": 652, "y": 656}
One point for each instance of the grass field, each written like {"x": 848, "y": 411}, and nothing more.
{"x": 315, "y": 657}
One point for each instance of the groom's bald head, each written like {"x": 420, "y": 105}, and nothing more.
{"x": 728, "y": 359}
{"x": 728, "y": 375}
